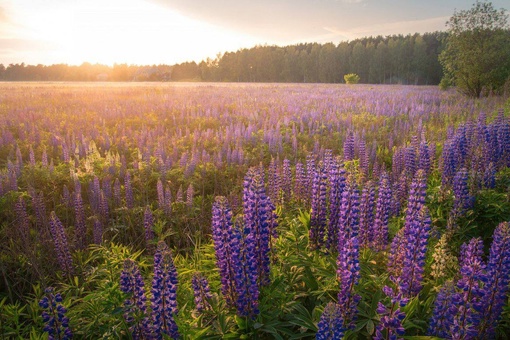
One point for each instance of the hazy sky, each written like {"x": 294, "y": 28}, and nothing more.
{"x": 170, "y": 31}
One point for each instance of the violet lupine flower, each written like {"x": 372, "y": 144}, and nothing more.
{"x": 366, "y": 216}
{"x": 462, "y": 200}
{"x": 331, "y": 324}
{"x": 246, "y": 269}
{"x": 363, "y": 158}
{"x": 390, "y": 326}
{"x": 161, "y": 195}
{"x": 410, "y": 161}
{"x": 98, "y": 232}
{"x": 470, "y": 293}
{"x": 348, "y": 275}
{"x": 130, "y": 201}
{"x": 444, "y": 311}
{"x": 382, "y": 214}
{"x": 61, "y": 246}
{"x": 349, "y": 147}
{"x": 148, "y": 223}
{"x": 256, "y": 220}
{"x": 164, "y": 294}
{"x": 348, "y": 221}
{"x": 449, "y": 164}
{"x": 396, "y": 255}
{"x": 286, "y": 180}
{"x": 224, "y": 235}
{"x": 416, "y": 234}
{"x": 504, "y": 139}
{"x": 56, "y": 324}
{"x": 424, "y": 157}
{"x": 135, "y": 306}
{"x": 189, "y": 195}
{"x": 103, "y": 206}
{"x": 178, "y": 196}
{"x": 116, "y": 193}
{"x": 168, "y": 201}
{"x": 81, "y": 229}
{"x": 318, "y": 214}
{"x": 66, "y": 196}
{"x": 23, "y": 222}
{"x": 336, "y": 187}
{"x": 496, "y": 283}
{"x": 489, "y": 176}
{"x": 300, "y": 183}
{"x": 201, "y": 292}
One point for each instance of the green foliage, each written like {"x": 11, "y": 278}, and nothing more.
{"x": 351, "y": 78}
{"x": 477, "y": 51}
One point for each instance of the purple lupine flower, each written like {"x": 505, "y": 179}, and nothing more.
{"x": 103, "y": 206}
{"x": 318, "y": 213}
{"x": 349, "y": 147}
{"x": 348, "y": 221}
{"x": 416, "y": 234}
{"x": 168, "y": 201}
{"x": 363, "y": 158}
{"x": 310, "y": 173}
{"x": 417, "y": 194}
{"x": 246, "y": 269}
{"x": 503, "y": 139}
{"x": 286, "y": 180}
{"x": 336, "y": 187}
{"x": 161, "y": 195}
{"x": 179, "y": 195}
{"x": 98, "y": 232}
{"x": 201, "y": 292}
{"x": 130, "y": 201}
{"x": 135, "y": 306}
{"x": 470, "y": 293}
{"x": 300, "y": 183}
{"x": 444, "y": 311}
{"x": 164, "y": 294}
{"x": 462, "y": 200}
{"x": 44, "y": 158}
{"x": 382, "y": 214}
{"x": 116, "y": 193}
{"x": 148, "y": 223}
{"x": 66, "y": 197}
{"x": 396, "y": 255}
{"x": 331, "y": 324}
{"x": 256, "y": 219}
{"x": 390, "y": 326}
{"x": 189, "y": 195}
{"x": 449, "y": 163}
{"x": 366, "y": 216}
{"x": 410, "y": 161}
{"x": 23, "y": 222}
{"x": 61, "y": 246}
{"x": 424, "y": 157}
{"x": 223, "y": 235}
{"x": 489, "y": 176}
{"x": 348, "y": 275}
{"x": 81, "y": 229}
{"x": 56, "y": 324}
{"x": 497, "y": 280}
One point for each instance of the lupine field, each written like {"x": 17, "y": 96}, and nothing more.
{"x": 221, "y": 211}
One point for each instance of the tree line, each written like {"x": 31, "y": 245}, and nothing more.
{"x": 396, "y": 59}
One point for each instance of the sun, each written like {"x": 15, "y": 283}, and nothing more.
{"x": 124, "y": 31}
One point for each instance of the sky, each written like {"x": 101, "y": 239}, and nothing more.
{"x": 146, "y": 32}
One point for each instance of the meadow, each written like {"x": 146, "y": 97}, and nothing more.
{"x": 252, "y": 211}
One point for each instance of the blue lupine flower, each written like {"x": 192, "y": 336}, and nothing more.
{"x": 164, "y": 294}
{"x": 496, "y": 282}
{"x": 56, "y": 324}
{"x": 318, "y": 214}
{"x": 135, "y": 306}
{"x": 444, "y": 311}
{"x": 61, "y": 246}
{"x": 201, "y": 292}
{"x": 462, "y": 200}
{"x": 382, "y": 214}
{"x": 330, "y": 326}
{"x": 390, "y": 325}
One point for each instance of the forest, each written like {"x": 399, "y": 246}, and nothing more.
{"x": 398, "y": 59}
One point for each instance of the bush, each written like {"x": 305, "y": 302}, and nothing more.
{"x": 351, "y": 78}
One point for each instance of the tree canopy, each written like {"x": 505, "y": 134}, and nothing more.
{"x": 476, "y": 57}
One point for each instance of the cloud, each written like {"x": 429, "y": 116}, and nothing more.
{"x": 400, "y": 27}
